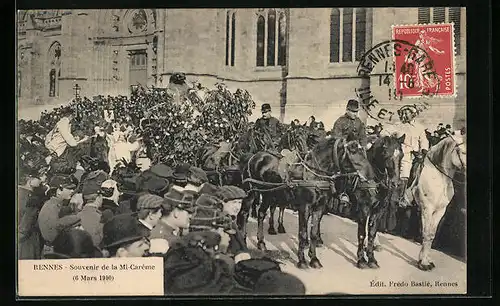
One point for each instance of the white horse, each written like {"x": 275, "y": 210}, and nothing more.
{"x": 433, "y": 190}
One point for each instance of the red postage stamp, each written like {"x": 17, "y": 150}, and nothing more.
{"x": 428, "y": 69}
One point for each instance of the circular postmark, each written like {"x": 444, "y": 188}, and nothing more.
{"x": 390, "y": 71}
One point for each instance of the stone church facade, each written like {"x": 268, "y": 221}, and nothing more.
{"x": 301, "y": 61}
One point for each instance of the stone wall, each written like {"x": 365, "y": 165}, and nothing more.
{"x": 193, "y": 41}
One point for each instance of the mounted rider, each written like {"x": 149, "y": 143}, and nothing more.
{"x": 415, "y": 144}
{"x": 268, "y": 124}
{"x": 349, "y": 125}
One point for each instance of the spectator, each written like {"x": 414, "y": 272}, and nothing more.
{"x": 91, "y": 213}
{"x": 149, "y": 212}
{"x": 175, "y": 218}
{"x": 62, "y": 188}
{"x": 31, "y": 196}
{"x": 122, "y": 237}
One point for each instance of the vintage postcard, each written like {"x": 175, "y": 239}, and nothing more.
{"x": 166, "y": 152}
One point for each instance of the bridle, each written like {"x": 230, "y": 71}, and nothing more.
{"x": 457, "y": 150}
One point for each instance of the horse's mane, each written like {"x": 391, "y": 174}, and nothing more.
{"x": 439, "y": 152}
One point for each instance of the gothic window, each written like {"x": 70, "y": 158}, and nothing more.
{"x": 334, "y": 35}
{"x": 271, "y": 37}
{"x": 230, "y": 37}
{"x": 347, "y": 34}
{"x": 442, "y": 14}
{"x": 54, "y": 69}
{"x": 282, "y": 39}
{"x": 360, "y": 32}
{"x": 261, "y": 24}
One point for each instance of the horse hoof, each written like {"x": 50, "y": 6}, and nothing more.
{"x": 373, "y": 264}
{"x": 261, "y": 246}
{"x": 377, "y": 248}
{"x": 302, "y": 265}
{"x": 315, "y": 263}
{"x": 362, "y": 264}
{"x": 281, "y": 230}
{"x": 271, "y": 231}
{"x": 424, "y": 267}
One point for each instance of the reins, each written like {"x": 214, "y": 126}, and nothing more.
{"x": 457, "y": 145}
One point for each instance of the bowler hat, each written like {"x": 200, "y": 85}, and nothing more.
{"x": 121, "y": 229}
{"x": 353, "y": 105}
{"x": 181, "y": 172}
{"x": 266, "y": 107}
{"x": 73, "y": 243}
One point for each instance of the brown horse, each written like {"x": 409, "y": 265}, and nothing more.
{"x": 317, "y": 172}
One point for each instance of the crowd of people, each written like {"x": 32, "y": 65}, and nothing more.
{"x": 133, "y": 207}
{"x": 104, "y": 195}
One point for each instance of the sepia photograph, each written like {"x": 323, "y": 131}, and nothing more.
{"x": 241, "y": 152}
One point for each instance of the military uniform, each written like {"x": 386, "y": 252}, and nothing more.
{"x": 271, "y": 125}
{"x": 345, "y": 126}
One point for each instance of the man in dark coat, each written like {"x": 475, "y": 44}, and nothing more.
{"x": 269, "y": 124}
{"x": 91, "y": 213}
{"x": 31, "y": 197}
{"x": 62, "y": 188}
{"x": 350, "y": 125}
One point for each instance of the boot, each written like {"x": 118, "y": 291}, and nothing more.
{"x": 406, "y": 199}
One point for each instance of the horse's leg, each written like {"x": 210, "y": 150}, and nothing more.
{"x": 320, "y": 240}
{"x": 315, "y": 220}
{"x": 430, "y": 222}
{"x": 362, "y": 233}
{"x": 372, "y": 233}
{"x": 303, "y": 241}
{"x": 242, "y": 218}
{"x": 281, "y": 227}
{"x": 261, "y": 245}
{"x": 271, "y": 229}
{"x": 254, "y": 206}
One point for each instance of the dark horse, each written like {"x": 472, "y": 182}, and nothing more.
{"x": 317, "y": 173}
{"x": 385, "y": 157}
{"x": 294, "y": 141}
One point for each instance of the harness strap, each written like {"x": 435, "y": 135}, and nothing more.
{"x": 335, "y": 153}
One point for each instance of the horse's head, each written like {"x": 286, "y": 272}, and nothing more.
{"x": 295, "y": 139}
{"x": 450, "y": 154}
{"x": 386, "y": 154}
